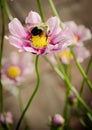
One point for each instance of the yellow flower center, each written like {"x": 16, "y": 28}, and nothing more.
{"x": 66, "y": 54}
{"x": 40, "y": 41}
{"x": 13, "y": 72}
{"x": 76, "y": 38}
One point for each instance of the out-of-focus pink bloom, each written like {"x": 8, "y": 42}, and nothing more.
{"x": 38, "y": 37}
{"x": 7, "y": 117}
{"x": 80, "y": 32}
{"x": 15, "y": 69}
{"x": 57, "y": 120}
{"x": 66, "y": 57}
{"x": 81, "y": 53}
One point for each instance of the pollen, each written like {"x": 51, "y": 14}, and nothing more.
{"x": 76, "y": 38}
{"x": 13, "y": 72}
{"x": 66, "y": 54}
{"x": 40, "y": 41}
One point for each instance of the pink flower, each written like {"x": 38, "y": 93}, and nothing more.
{"x": 57, "y": 120}
{"x": 7, "y": 116}
{"x": 81, "y": 33}
{"x": 66, "y": 57}
{"x": 15, "y": 70}
{"x": 38, "y": 37}
{"x": 81, "y": 53}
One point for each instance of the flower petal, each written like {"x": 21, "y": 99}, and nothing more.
{"x": 64, "y": 37}
{"x": 72, "y": 25}
{"x": 84, "y": 33}
{"x": 53, "y": 48}
{"x": 15, "y": 42}
{"x": 14, "y": 58}
{"x": 54, "y": 25}
{"x": 81, "y": 53}
{"x": 33, "y": 18}
{"x": 16, "y": 28}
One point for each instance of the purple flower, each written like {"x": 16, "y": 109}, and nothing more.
{"x": 80, "y": 32}
{"x": 38, "y": 37}
{"x": 81, "y": 53}
{"x": 15, "y": 70}
{"x": 66, "y": 57}
{"x": 57, "y": 120}
{"x": 7, "y": 116}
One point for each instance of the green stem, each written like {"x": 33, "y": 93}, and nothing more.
{"x": 55, "y": 11}
{"x": 77, "y": 63}
{"x": 67, "y": 69}
{"x": 7, "y": 10}
{"x": 81, "y": 69}
{"x": 33, "y": 94}
{"x": 63, "y": 76}
{"x": 87, "y": 70}
{"x": 1, "y": 128}
{"x": 54, "y": 68}
{"x": 66, "y": 104}
{"x": 41, "y": 10}
{"x": 1, "y": 54}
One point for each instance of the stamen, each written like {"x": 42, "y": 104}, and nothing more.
{"x": 40, "y": 41}
{"x": 76, "y": 38}
{"x": 67, "y": 54}
{"x": 13, "y": 71}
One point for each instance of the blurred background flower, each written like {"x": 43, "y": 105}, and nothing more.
{"x": 15, "y": 69}
{"x": 7, "y": 117}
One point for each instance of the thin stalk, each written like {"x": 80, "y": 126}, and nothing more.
{"x": 33, "y": 94}
{"x": 41, "y": 10}
{"x": 7, "y": 10}
{"x": 63, "y": 76}
{"x": 81, "y": 90}
{"x": 66, "y": 105}
{"x": 1, "y": 54}
{"x": 54, "y": 68}
{"x": 55, "y": 11}
{"x": 67, "y": 69}
{"x": 87, "y": 70}
{"x": 77, "y": 63}
{"x": 1, "y": 128}
{"x": 81, "y": 70}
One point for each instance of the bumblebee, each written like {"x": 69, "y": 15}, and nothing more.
{"x": 40, "y": 29}
{"x": 36, "y": 31}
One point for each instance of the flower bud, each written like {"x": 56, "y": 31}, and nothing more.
{"x": 72, "y": 99}
{"x": 57, "y": 120}
{"x": 7, "y": 116}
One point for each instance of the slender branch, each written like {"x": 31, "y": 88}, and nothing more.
{"x": 1, "y": 54}
{"x": 87, "y": 70}
{"x": 63, "y": 76}
{"x": 33, "y": 94}
{"x": 7, "y": 10}
{"x": 81, "y": 69}
{"x": 41, "y": 10}
{"x": 55, "y": 11}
